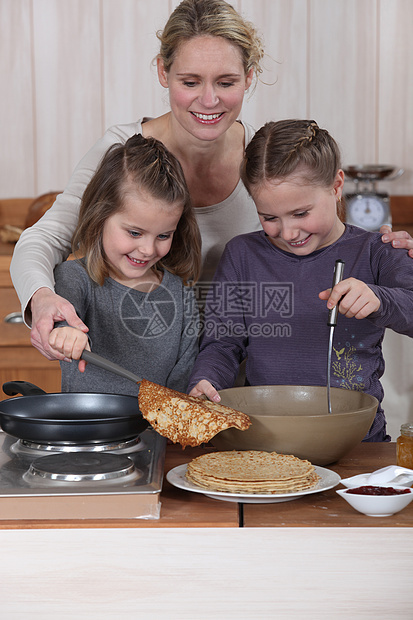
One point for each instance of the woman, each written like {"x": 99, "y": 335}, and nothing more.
{"x": 208, "y": 59}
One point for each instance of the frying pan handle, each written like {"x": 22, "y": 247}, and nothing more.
{"x": 97, "y": 360}
{"x": 11, "y": 388}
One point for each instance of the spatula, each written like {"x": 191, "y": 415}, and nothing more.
{"x": 175, "y": 415}
{"x": 105, "y": 364}
{"x": 332, "y": 322}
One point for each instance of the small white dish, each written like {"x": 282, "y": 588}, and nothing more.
{"x": 378, "y": 505}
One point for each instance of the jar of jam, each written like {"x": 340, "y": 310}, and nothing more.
{"x": 404, "y": 446}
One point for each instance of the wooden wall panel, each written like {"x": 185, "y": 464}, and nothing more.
{"x": 395, "y": 96}
{"x": 342, "y": 74}
{"x": 68, "y": 105}
{"x": 282, "y": 89}
{"x": 17, "y": 160}
{"x": 131, "y": 87}
{"x": 72, "y": 68}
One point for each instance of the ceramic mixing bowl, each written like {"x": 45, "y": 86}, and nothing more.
{"x": 293, "y": 419}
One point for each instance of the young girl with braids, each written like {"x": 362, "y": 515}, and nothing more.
{"x": 271, "y": 295}
{"x": 140, "y": 245}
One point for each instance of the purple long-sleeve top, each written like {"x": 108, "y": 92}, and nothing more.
{"x": 263, "y": 305}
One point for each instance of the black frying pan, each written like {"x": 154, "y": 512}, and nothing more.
{"x": 68, "y": 417}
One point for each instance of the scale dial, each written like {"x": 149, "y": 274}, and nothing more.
{"x": 368, "y": 211}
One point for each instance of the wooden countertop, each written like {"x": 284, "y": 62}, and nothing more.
{"x": 183, "y": 509}
{"x": 179, "y": 509}
{"x": 328, "y": 509}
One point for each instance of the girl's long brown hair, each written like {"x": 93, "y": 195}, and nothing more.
{"x": 147, "y": 164}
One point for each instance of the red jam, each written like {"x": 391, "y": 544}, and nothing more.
{"x": 370, "y": 490}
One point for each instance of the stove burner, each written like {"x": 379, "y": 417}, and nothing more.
{"x": 81, "y": 467}
{"x": 30, "y": 448}
{"x": 87, "y": 447}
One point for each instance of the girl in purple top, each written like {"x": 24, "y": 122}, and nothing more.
{"x": 270, "y": 297}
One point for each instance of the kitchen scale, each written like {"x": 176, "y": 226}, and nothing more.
{"x": 366, "y": 207}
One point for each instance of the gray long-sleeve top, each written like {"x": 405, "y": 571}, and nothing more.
{"x": 154, "y": 335}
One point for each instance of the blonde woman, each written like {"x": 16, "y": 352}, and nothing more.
{"x": 209, "y": 57}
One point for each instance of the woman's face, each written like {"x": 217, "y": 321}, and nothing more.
{"x": 298, "y": 217}
{"x": 207, "y": 83}
{"x": 138, "y": 236}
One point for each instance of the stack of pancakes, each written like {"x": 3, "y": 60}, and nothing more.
{"x": 251, "y": 471}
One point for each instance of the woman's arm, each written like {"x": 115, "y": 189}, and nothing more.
{"x": 48, "y": 309}
{"x": 48, "y": 243}
{"x": 400, "y": 239}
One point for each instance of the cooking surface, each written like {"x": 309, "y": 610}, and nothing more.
{"x": 16, "y": 458}
{"x": 181, "y": 509}
{"x": 117, "y": 480}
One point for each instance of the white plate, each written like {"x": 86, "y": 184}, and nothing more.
{"x": 328, "y": 480}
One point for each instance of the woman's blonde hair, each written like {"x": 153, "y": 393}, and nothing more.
{"x": 147, "y": 164}
{"x": 217, "y": 18}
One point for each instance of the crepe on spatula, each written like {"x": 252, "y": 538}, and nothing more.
{"x": 185, "y": 419}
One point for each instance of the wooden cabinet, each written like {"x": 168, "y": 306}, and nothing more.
{"x": 402, "y": 213}
{"x": 19, "y": 360}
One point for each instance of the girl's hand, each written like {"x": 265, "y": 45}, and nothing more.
{"x": 70, "y": 343}
{"x": 400, "y": 239}
{"x": 47, "y": 309}
{"x": 205, "y": 388}
{"x": 354, "y": 298}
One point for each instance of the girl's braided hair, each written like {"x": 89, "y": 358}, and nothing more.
{"x": 140, "y": 165}
{"x": 279, "y": 149}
